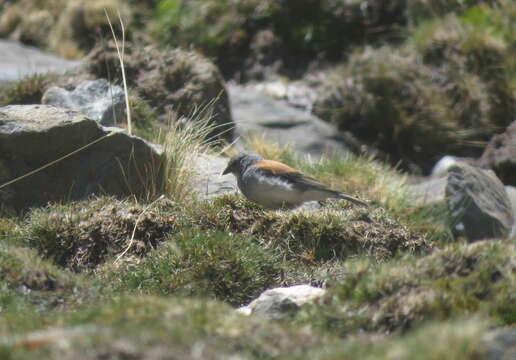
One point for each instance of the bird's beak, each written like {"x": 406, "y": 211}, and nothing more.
{"x": 226, "y": 171}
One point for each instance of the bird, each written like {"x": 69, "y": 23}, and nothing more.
{"x": 275, "y": 185}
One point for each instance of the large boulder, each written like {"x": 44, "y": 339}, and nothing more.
{"x": 499, "y": 344}
{"x": 500, "y": 155}
{"x": 33, "y": 136}
{"x": 478, "y": 203}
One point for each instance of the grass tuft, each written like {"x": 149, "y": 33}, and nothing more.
{"x": 82, "y": 235}
{"x": 215, "y": 265}
{"x": 458, "y": 280}
{"x": 28, "y": 90}
{"x": 181, "y": 143}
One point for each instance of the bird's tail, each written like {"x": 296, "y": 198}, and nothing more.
{"x": 352, "y": 199}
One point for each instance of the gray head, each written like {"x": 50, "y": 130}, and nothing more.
{"x": 238, "y": 163}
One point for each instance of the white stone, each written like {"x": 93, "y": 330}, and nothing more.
{"x": 440, "y": 169}
{"x": 278, "y": 302}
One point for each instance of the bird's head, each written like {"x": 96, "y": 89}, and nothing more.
{"x": 238, "y": 163}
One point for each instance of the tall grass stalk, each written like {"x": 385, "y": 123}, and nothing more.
{"x": 121, "y": 51}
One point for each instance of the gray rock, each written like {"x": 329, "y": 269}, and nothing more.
{"x": 279, "y": 302}
{"x": 429, "y": 190}
{"x": 478, "y": 203}
{"x": 18, "y": 61}
{"x": 208, "y": 179}
{"x": 257, "y": 113}
{"x": 500, "y": 344}
{"x": 32, "y": 136}
{"x": 500, "y": 155}
{"x": 296, "y": 93}
{"x": 440, "y": 169}
{"x": 511, "y": 192}
{"x": 97, "y": 99}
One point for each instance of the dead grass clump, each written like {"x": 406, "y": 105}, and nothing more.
{"x": 410, "y": 111}
{"x": 477, "y": 43}
{"x": 69, "y": 28}
{"x": 82, "y": 235}
{"x": 28, "y": 90}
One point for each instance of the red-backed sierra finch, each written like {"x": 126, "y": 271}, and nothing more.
{"x": 275, "y": 185}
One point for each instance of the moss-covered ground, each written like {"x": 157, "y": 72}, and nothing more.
{"x": 117, "y": 278}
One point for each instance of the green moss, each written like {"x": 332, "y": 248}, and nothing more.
{"x": 144, "y": 118}
{"x": 28, "y": 90}
{"x": 82, "y": 235}
{"x": 114, "y": 329}
{"x": 421, "y": 10}
{"x": 316, "y": 236}
{"x": 31, "y": 286}
{"x": 172, "y": 326}
{"x": 216, "y": 265}
{"x": 457, "y": 339}
{"x": 458, "y": 280}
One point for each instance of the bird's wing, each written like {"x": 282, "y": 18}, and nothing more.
{"x": 275, "y": 167}
{"x": 300, "y": 181}
{"x": 291, "y": 175}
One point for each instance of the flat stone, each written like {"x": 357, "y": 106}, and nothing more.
{"x": 18, "y": 61}
{"x": 208, "y": 180}
{"x": 258, "y": 114}
{"x": 279, "y": 302}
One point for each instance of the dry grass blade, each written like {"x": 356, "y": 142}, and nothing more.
{"x": 131, "y": 241}
{"x": 121, "y": 59}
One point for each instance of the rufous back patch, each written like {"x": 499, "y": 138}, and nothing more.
{"x": 275, "y": 167}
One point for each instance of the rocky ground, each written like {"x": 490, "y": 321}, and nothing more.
{"x": 122, "y": 240}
